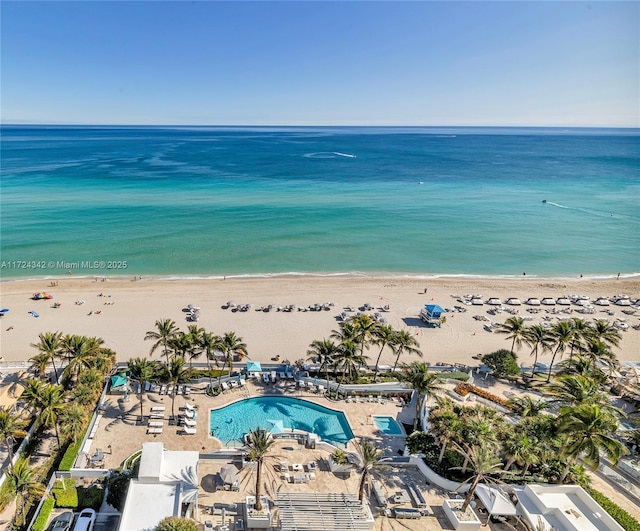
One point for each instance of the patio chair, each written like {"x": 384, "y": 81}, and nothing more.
{"x": 189, "y": 431}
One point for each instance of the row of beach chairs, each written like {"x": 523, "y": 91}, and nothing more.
{"x": 232, "y": 384}
{"x": 376, "y": 399}
{"x": 164, "y": 389}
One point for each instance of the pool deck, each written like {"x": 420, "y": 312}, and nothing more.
{"x": 120, "y": 435}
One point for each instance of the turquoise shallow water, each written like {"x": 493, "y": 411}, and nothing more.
{"x": 232, "y": 422}
{"x": 233, "y": 201}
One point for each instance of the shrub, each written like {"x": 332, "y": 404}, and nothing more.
{"x": 90, "y": 498}
{"x": 463, "y": 389}
{"x": 457, "y": 375}
{"x": 66, "y": 494}
{"x": 45, "y": 512}
{"x": 117, "y": 485}
{"x": 628, "y": 522}
{"x": 503, "y": 362}
{"x": 173, "y": 523}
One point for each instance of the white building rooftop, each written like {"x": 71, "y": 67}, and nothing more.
{"x": 563, "y": 508}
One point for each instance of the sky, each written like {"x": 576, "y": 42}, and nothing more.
{"x": 321, "y": 63}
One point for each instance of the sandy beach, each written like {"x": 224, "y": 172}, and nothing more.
{"x": 121, "y": 311}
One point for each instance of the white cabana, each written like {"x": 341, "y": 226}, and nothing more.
{"x": 494, "y": 501}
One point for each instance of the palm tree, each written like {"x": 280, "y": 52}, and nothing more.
{"x": 72, "y": 421}
{"x": 517, "y": 447}
{"x": 209, "y": 343}
{"x": 605, "y": 332}
{"x": 323, "y": 351}
{"x": 23, "y": 484}
{"x": 51, "y": 406}
{"x": 259, "y": 445}
{"x": 424, "y": 383}
{"x": 446, "y": 426}
{"x": 365, "y": 326}
{"x": 515, "y": 327}
{"x": 600, "y": 352}
{"x": 11, "y": 428}
{"x": 370, "y": 457}
{"x": 180, "y": 344}
{"x": 176, "y": 373}
{"x": 32, "y": 394}
{"x": 140, "y": 371}
{"x": 230, "y": 344}
{"x": 166, "y": 329}
{"x": 404, "y": 343}
{"x": 383, "y": 335}
{"x": 581, "y": 331}
{"x": 349, "y": 361}
{"x": 484, "y": 462}
{"x": 194, "y": 335}
{"x": 582, "y": 366}
{"x": 539, "y": 339}
{"x": 49, "y": 348}
{"x": 562, "y": 333}
{"x": 589, "y": 430}
{"x": 526, "y": 406}
{"x": 574, "y": 390}
{"x": 81, "y": 352}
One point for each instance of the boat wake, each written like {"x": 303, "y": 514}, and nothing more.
{"x": 328, "y": 155}
{"x": 556, "y": 204}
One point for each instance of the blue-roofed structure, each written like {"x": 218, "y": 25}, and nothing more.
{"x": 431, "y": 314}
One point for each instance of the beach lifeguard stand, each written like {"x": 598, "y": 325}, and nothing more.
{"x": 431, "y": 315}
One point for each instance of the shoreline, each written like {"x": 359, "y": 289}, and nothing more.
{"x": 336, "y": 274}
{"x": 121, "y": 311}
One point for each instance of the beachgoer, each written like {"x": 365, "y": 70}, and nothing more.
{"x": 618, "y": 277}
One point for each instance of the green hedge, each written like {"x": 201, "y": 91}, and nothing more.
{"x": 45, "y": 512}
{"x": 457, "y": 375}
{"x": 628, "y": 522}
{"x": 70, "y": 455}
{"x": 66, "y": 494}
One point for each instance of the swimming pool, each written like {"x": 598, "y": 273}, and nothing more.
{"x": 387, "y": 425}
{"x": 278, "y": 414}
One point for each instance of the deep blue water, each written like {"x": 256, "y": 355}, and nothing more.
{"x": 189, "y": 201}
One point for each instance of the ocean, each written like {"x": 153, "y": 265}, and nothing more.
{"x": 214, "y": 201}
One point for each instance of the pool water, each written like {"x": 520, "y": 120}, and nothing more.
{"x": 387, "y": 425}
{"x": 278, "y": 414}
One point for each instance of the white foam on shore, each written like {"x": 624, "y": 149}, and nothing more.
{"x": 336, "y": 274}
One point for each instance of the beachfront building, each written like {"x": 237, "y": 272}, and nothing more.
{"x": 562, "y": 508}
{"x": 167, "y": 485}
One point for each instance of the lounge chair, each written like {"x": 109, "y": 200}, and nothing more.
{"x": 156, "y": 415}
{"x": 189, "y": 422}
{"x": 189, "y": 431}
{"x": 225, "y": 386}
{"x": 156, "y": 424}
{"x": 158, "y": 408}
{"x": 189, "y": 407}
{"x": 189, "y": 413}
{"x": 154, "y": 431}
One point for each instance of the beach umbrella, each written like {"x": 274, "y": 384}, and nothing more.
{"x": 275, "y": 426}
{"x": 229, "y": 474}
{"x": 494, "y": 501}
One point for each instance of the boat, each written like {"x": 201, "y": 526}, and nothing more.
{"x": 514, "y": 301}
{"x": 563, "y": 301}
{"x": 601, "y": 301}
{"x": 533, "y": 301}
{"x": 548, "y": 301}
{"x": 494, "y": 301}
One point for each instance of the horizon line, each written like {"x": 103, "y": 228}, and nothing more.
{"x": 89, "y": 124}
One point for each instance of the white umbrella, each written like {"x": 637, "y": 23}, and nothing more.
{"x": 275, "y": 426}
{"x": 229, "y": 474}
{"x": 494, "y": 501}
